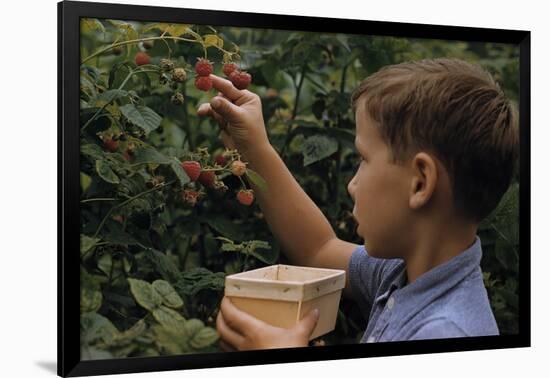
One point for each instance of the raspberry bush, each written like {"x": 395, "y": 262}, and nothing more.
{"x": 167, "y": 211}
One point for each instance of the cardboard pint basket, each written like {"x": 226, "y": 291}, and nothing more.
{"x": 281, "y": 295}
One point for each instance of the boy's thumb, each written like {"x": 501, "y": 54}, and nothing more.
{"x": 309, "y": 322}
{"x": 225, "y": 108}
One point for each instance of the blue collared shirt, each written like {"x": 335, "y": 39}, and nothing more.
{"x": 450, "y": 300}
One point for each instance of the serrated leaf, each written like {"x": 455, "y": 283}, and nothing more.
{"x": 85, "y": 182}
{"x": 212, "y": 40}
{"x": 91, "y": 24}
{"x": 91, "y": 150}
{"x": 141, "y": 116}
{"x": 105, "y": 263}
{"x": 169, "y": 296}
{"x": 105, "y": 172}
{"x": 90, "y": 300}
{"x": 192, "y": 327}
{"x": 169, "y": 319}
{"x": 94, "y": 327}
{"x": 223, "y": 226}
{"x": 318, "y": 147}
{"x": 144, "y": 294}
{"x": 174, "y": 30}
{"x": 262, "y": 251}
{"x": 256, "y": 179}
{"x": 204, "y": 338}
{"x": 87, "y": 243}
{"x": 150, "y": 155}
{"x": 112, "y": 94}
{"x": 163, "y": 265}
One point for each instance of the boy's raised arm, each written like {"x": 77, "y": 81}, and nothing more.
{"x": 304, "y": 233}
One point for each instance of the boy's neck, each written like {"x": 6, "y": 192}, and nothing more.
{"x": 433, "y": 251}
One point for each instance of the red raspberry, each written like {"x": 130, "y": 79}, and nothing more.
{"x": 240, "y": 79}
{"x": 190, "y": 196}
{"x": 203, "y": 83}
{"x": 110, "y": 144}
{"x": 203, "y": 67}
{"x": 207, "y": 178}
{"x": 228, "y": 68}
{"x": 142, "y": 58}
{"x": 238, "y": 168}
{"x": 220, "y": 160}
{"x": 245, "y": 197}
{"x": 192, "y": 168}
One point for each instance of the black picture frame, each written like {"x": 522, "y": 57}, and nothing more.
{"x": 69, "y": 13}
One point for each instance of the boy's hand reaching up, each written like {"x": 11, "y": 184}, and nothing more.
{"x": 241, "y": 331}
{"x": 239, "y": 114}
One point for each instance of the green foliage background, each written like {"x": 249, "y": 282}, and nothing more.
{"x": 152, "y": 269}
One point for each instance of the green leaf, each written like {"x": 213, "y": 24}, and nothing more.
{"x": 318, "y": 147}
{"x": 212, "y": 40}
{"x": 85, "y": 182}
{"x": 105, "y": 264}
{"x": 105, "y": 172}
{"x": 262, "y": 251}
{"x": 88, "y": 25}
{"x": 223, "y": 225}
{"x": 91, "y": 150}
{"x": 170, "y": 319}
{"x": 141, "y": 116}
{"x": 174, "y": 30}
{"x": 94, "y": 327}
{"x": 163, "y": 265}
{"x": 197, "y": 279}
{"x": 90, "y": 300}
{"x": 169, "y": 296}
{"x": 87, "y": 243}
{"x": 203, "y": 338}
{"x": 150, "y": 155}
{"x": 144, "y": 294}
{"x": 256, "y": 179}
{"x": 112, "y": 94}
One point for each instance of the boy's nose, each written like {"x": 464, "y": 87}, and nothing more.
{"x": 351, "y": 187}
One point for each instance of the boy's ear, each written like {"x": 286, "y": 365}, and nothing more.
{"x": 424, "y": 179}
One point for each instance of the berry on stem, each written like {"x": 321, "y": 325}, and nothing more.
{"x": 179, "y": 75}
{"x": 142, "y": 58}
{"x": 110, "y": 144}
{"x": 245, "y": 196}
{"x": 189, "y": 196}
{"x": 203, "y": 67}
{"x": 238, "y": 168}
{"x": 207, "y": 178}
{"x": 192, "y": 169}
{"x": 240, "y": 79}
{"x": 228, "y": 68}
{"x": 177, "y": 98}
{"x": 220, "y": 160}
{"x": 203, "y": 83}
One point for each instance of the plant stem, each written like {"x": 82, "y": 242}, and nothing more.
{"x": 122, "y": 204}
{"x": 294, "y": 111}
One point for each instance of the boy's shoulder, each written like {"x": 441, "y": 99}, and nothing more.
{"x": 448, "y": 301}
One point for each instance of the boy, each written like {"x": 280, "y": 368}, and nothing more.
{"x": 438, "y": 142}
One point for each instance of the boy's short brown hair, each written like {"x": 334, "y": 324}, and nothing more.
{"x": 456, "y": 111}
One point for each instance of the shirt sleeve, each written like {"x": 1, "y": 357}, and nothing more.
{"x": 438, "y": 328}
{"x": 366, "y": 274}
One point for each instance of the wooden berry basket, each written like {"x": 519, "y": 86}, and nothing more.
{"x": 281, "y": 294}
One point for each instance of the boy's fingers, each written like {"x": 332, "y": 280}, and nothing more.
{"x": 226, "y": 347}
{"x": 308, "y": 323}
{"x": 238, "y": 320}
{"x": 226, "y": 333}
{"x": 226, "y": 109}
{"x": 206, "y": 110}
{"x": 226, "y": 87}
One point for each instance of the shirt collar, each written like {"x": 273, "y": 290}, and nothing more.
{"x": 442, "y": 277}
